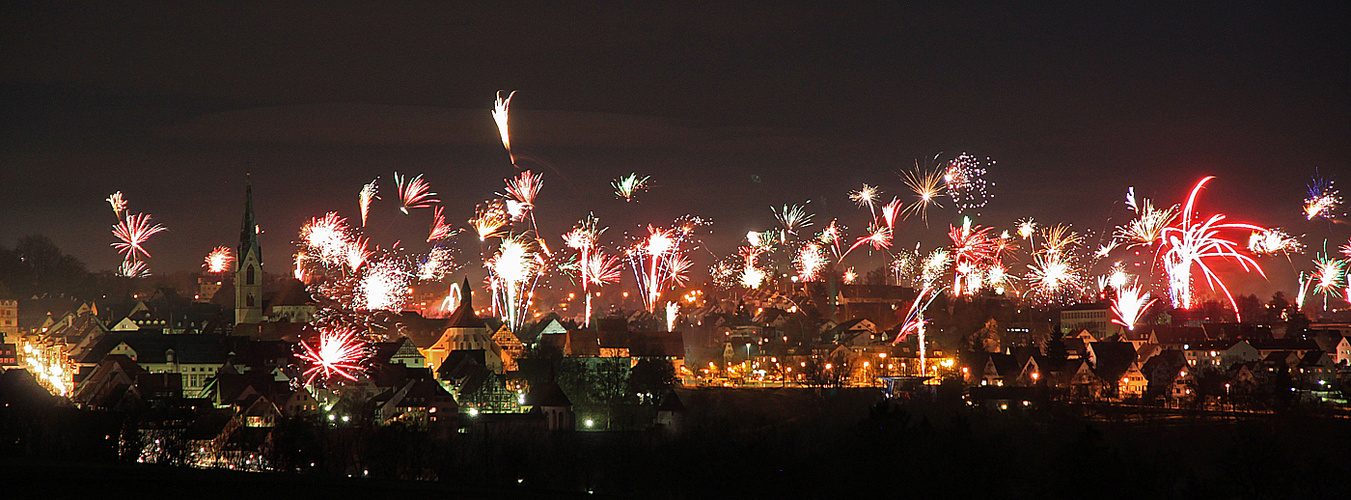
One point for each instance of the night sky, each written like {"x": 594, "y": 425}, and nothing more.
{"x": 731, "y": 108}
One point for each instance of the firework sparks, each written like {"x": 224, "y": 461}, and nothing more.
{"x": 630, "y": 185}
{"x": 525, "y": 187}
{"x": 972, "y": 249}
{"x": 414, "y": 193}
{"x": 965, "y": 180}
{"x": 914, "y": 323}
{"x": 500, "y": 109}
{"x": 440, "y": 230}
{"x": 132, "y": 233}
{"x": 1053, "y": 278}
{"x": 219, "y": 260}
{"x": 672, "y": 313}
{"x": 811, "y": 259}
{"x": 927, "y": 186}
{"x": 1191, "y": 243}
{"x": 326, "y": 238}
{"x": 793, "y": 217}
{"x": 1106, "y": 249}
{"x": 118, "y": 203}
{"x": 867, "y": 195}
{"x": 436, "y": 265}
{"x": 1323, "y": 200}
{"x": 382, "y": 287}
{"x": 340, "y": 354}
{"x": 850, "y": 276}
{"x": 133, "y": 269}
{"x": 1130, "y": 305}
{"x": 489, "y": 219}
{"x": 1274, "y": 241}
{"x": 934, "y": 266}
{"x": 1058, "y": 239}
{"x": 369, "y": 193}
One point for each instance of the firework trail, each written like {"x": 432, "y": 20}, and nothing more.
{"x": 369, "y": 193}
{"x": 1191, "y": 243}
{"x": 440, "y": 230}
{"x": 500, "y": 109}
{"x": 219, "y": 260}
{"x": 1130, "y": 199}
{"x": 793, "y": 217}
{"x": 118, "y": 203}
{"x": 340, "y": 354}
{"x": 414, "y": 193}
{"x": 890, "y": 211}
{"x": 1130, "y": 305}
{"x": 672, "y": 313}
{"x": 914, "y": 323}
{"x": 132, "y": 233}
{"x": 1323, "y": 200}
{"x": 965, "y": 181}
{"x": 659, "y": 261}
{"x": 927, "y": 186}
{"x": 1274, "y": 241}
{"x": 1346, "y": 249}
{"x": 630, "y": 185}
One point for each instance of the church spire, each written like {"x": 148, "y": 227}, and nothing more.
{"x": 248, "y": 230}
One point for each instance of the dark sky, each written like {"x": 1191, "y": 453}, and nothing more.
{"x": 730, "y": 107}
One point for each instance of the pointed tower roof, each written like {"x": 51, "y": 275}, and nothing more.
{"x": 248, "y": 230}
{"x": 464, "y": 316}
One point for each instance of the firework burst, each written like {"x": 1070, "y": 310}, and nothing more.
{"x": 629, "y": 186}
{"x": 133, "y": 269}
{"x": 489, "y": 219}
{"x": 219, "y": 260}
{"x": 1323, "y": 200}
{"x": 326, "y": 238}
{"x": 1147, "y": 227}
{"x": 793, "y": 217}
{"x": 867, "y": 195}
{"x": 440, "y": 230}
{"x": 118, "y": 203}
{"x": 383, "y": 286}
{"x": 1329, "y": 277}
{"x": 1053, "y": 278}
{"x": 1274, "y": 241}
{"x": 890, "y": 211}
{"x": 340, "y": 354}
{"x": 811, "y": 259}
{"x": 1058, "y": 239}
{"x": 927, "y": 186}
{"x": 132, "y": 234}
{"x": 414, "y": 193}
{"x": 965, "y": 181}
{"x": 513, "y": 270}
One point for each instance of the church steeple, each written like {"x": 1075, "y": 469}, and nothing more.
{"x": 248, "y": 265}
{"x": 248, "y": 230}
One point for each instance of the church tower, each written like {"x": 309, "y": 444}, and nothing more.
{"x": 248, "y": 266}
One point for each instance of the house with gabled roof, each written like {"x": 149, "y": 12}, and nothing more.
{"x": 1078, "y": 378}
{"x": 465, "y": 331}
{"x": 1114, "y": 364}
{"x": 510, "y": 346}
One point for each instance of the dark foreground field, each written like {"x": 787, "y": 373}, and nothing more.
{"x": 797, "y": 443}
